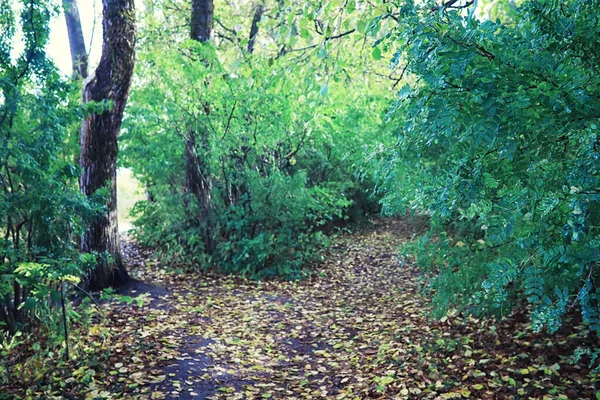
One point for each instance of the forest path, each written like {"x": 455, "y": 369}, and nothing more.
{"x": 357, "y": 329}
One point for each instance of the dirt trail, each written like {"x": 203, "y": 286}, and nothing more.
{"x": 357, "y": 329}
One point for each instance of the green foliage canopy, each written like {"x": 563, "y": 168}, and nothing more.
{"x": 41, "y": 209}
{"x": 498, "y": 143}
{"x": 281, "y": 137}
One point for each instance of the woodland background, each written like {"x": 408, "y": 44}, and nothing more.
{"x": 256, "y": 130}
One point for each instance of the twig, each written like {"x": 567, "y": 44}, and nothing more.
{"x": 90, "y": 296}
{"x": 229, "y": 120}
{"x": 451, "y": 4}
{"x": 64, "y": 315}
{"x": 93, "y": 30}
{"x": 328, "y": 38}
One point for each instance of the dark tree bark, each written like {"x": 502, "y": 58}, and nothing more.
{"x": 197, "y": 177}
{"x": 254, "y": 27}
{"x": 110, "y": 83}
{"x": 79, "y": 56}
{"x": 202, "y": 20}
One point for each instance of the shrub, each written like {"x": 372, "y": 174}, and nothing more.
{"x": 41, "y": 209}
{"x": 498, "y": 144}
{"x": 277, "y": 161}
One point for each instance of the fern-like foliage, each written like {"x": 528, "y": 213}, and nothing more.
{"x": 533, "y": 285}
{"x": 498, "y": 142}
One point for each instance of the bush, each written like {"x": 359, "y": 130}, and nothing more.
{"x": 498, "y": 144}
{"x": 41, "y": 209}
{"x": 278, "y": 163}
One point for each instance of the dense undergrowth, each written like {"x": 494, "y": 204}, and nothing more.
{"x": 498, "y": 144}
{"x": 41, "y": 209}
{"x": 280, "y": 148}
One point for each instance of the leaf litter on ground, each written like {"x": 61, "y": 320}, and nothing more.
{"x": 359, "y": 328}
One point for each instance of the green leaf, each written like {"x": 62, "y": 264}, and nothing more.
{"x": 324, "y": 90}
{"x": 29, "y": 304}
{"x": 376, "y": 53}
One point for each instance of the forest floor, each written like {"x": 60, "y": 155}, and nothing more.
{"x": 359, "y": 328}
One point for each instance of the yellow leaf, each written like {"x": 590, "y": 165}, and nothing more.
{"x": 91, "y": 395}
{"x": 95, "y": 330}
{"x": 451, "y": 395}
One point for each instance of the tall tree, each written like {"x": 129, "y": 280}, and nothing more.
{"x": 254, "y": 27}
{"x": 109, "y": 85}
{"x": 197, "y": 179}
{"x": 79, "y": 56}
{"x": 202, "y": 20}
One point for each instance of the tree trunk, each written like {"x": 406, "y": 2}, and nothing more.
{"x": 197, "y": 181}
{"x": 254, "y": 28}
{"x": 79, "y": 56}
{"x": 110, "y": 83}
{"x": 202, "y": 20}
{"x": 197, "y": 176}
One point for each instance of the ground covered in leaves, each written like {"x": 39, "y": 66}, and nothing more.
{"x": 359, "y": 328}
